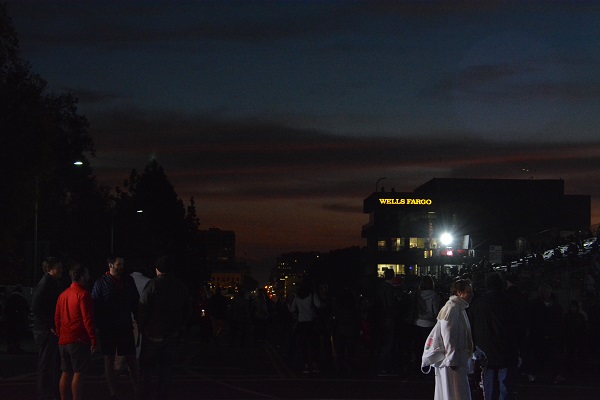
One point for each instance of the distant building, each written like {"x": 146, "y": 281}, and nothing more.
{"x": 228, "y": 281}
{"x": 217, "y": 249}
{"x": 291, "y": 268}
{"x": 484, "y": 217}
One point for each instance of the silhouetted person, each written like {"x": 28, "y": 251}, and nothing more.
{"x": 386, "y": 308}
{"x": 217, "y": 309}
{"x": 323, "y": 321}
{"x": 239, "y": 318}
{"x": 495, "y": 328}
{"x": 575, "y": 337}
{"x": 260, "y": 316}
{"x": 520, "y": 303}
{"x": 115, "y": 298}
{"x": 203, "y": 315}
{"x": 304, "y": 305}
{"x": 546, "y": 326}
{"x": 76, "y": 333}
{"x": 43, "y": 307}
{"x": 345, "y": 329}
{"x": 165, "y": 310}
{"x": 141, "y": 277}
{"x": 428, "y": 305}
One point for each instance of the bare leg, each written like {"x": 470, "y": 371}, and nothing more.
{"x": 77, "y": 386}
{"x": 64, "y": 385}
{"x": 109, "y": 373}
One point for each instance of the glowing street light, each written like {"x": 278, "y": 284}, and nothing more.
{"x": 446, "y": 238}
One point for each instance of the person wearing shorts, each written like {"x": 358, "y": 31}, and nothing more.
{"x": 75, "y": 357}
{"x": 75, "y": 329}
{"x": 115, "y": 298}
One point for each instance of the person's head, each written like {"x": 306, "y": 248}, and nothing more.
{"x": 79, "y": 274}
{"x": 53, "y": 267}
{"x": 494, "y": 282}
{"x": 426, "y": 283}
{"x": 388, "y": 274}
{"x": 163, "y": 265}
{"x": 462, "y": 288}
{"x": 116, "y": 265}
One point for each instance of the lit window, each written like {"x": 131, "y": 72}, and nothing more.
{"x": 397, "y": 268}
{"x": 417, "y": 243}
{"x": 397, "y": 244}
{"x": 381, "y": 245}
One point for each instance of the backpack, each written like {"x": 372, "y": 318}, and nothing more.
{"x": 434, "y": 351}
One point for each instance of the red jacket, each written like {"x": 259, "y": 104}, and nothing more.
{"x": 74, "y": 316}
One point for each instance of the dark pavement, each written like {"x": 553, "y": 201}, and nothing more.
{"x": 261, "y": 371}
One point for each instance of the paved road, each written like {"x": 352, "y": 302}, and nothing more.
{"x": 262, "y": 372}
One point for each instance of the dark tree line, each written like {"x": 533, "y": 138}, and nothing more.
{"x": 61, "y": 207}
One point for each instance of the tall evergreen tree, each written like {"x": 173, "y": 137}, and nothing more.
{"x": 41, "y": 135}
{"x": 150, "y": 218}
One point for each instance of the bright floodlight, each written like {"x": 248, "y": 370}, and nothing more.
{"x": 78, "y": 163}
{"x": 446, "y": 239}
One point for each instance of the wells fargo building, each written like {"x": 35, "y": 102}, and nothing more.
{"x": 405, "y": 228}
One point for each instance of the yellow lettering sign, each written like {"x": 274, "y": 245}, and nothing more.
{"x": 416, "y": 202}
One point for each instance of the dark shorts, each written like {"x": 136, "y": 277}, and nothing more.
{"x": 123, "y": 345}
{"x": 75, "y": 357}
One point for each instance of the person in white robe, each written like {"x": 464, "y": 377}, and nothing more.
{"x": 451, "y": 377}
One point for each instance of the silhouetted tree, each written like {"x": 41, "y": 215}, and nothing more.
{"x": 41, "y": 136}
{"x": 191, "y": 218}
{"x": 150, "y": 220}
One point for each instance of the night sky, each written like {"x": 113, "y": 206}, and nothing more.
{"x": 279, "y": 117}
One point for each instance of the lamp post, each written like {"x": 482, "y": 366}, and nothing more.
{"x": 35, "y": 227}
{"x": 377, "y": 183}
{"x": 36, "y": 204}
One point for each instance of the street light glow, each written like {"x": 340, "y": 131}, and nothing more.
{"x": 446, "y": 238}
{"x": 78, "y": 163}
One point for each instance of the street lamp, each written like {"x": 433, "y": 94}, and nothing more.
{"x": 377, "y": 184}
{"x": 35, "y": 226}
{"x": 36, "y": 203}
{"x": 446, "y": 238}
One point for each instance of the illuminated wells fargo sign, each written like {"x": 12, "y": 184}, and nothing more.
{"x": 406, "y": 201}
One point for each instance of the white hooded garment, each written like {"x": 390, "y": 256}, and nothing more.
{"x": 456, "y": 333}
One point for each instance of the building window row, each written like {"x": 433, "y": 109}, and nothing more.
{"x": 398, "y": 244}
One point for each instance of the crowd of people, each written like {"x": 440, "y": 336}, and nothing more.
{"x": 135, "y": 321}
{"x": 494, "y": 332}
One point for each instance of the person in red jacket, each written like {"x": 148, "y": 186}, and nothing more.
{"x": 76, "y": 332}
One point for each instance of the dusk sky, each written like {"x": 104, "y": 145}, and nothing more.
{"x": 279, "y": 117}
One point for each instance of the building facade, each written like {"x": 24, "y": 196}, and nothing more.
{"x": 446, "y": 222}
{"x": 217, "y": 249}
